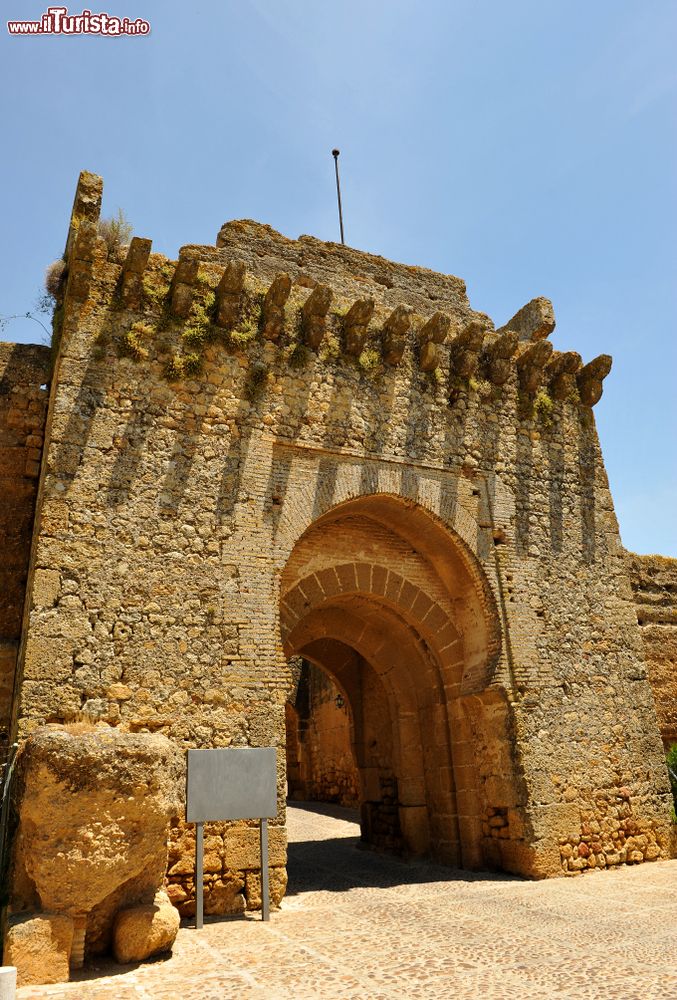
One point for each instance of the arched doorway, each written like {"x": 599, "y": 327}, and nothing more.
{"x": 319, "y": 727}
{"x": 391, "y": 604}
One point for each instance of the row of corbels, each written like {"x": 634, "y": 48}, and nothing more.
{"x": 472, "y": 348}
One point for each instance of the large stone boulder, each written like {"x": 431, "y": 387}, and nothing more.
{"x": 142, "y": 931}
{"x": 39, "y": 945}
{"x": 92, "y": 810}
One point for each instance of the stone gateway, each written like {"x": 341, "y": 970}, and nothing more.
{"x": 276, "y": 455}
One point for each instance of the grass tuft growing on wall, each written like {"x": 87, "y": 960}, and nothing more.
{"x": 132, "y": 343}
{"x": 544, "y": 408}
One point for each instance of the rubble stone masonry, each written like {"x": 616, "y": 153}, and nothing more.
{"x": 24, "y": 372}
{"x": 654, "y": 582}
{"x": 276, "y": 448}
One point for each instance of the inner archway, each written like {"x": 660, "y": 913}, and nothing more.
{"x": 321, "y": 764}
{"x": 390, "y": 603}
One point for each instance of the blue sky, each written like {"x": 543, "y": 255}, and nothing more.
{"x": 529, "y": 147}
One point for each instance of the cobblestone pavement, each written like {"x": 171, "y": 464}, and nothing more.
{"x": 359, "y": 925}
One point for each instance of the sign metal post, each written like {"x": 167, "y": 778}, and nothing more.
{"x": 199, "y": 874}
{"x": 230, "y": 784}
{"x": 265, "y": 887}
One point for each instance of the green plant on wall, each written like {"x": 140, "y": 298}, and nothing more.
{"x": 156, "y": 285}
{"x": 459, "y": 386}
{"x": 369, "y": 360}
{"x": 479, "y": 385}
{"x": 132, "y": 342}
{"x": 197, "y": 330}
{"x": 435, "y": 378}
{"x": 248, "y": 324}
{"x": 544, "y": 408}
{"x": 200, "y": 327}
{"x": 539, "y": 407}
{"x": 296, "y": 353}
{"x": 115, "y": 231}
{"x": 242, "y": 334}
{"x": 182, "y": 366}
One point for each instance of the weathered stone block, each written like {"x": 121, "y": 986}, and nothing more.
{"x": 277, "y": 887}
{"x": 223, "y": 895}
{"x": 49, "y": 658}
{"x": 142, "y": 931}
{"x": 242, "y": 847}
{"x": 93, "y": 811}
{"x": 39, "y": 945}
{"x": 46, "y": 584}
{"x": 533, "y": 321}
{"x": 415, "y": 826}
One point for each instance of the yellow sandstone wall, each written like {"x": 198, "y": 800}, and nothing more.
{"x": 654, "y": 582}
{"x": 24, "y": 371}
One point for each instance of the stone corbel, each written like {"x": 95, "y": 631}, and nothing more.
{"x": 229, "y": 294}
{"x": 531, "y": 365}
{"x": 131, "y": 279}
{"x": 498, "y": 356}
{"x": 465, "y": 349}
{"x": 314, "y": 315}
{"x": 183, "y": 285}
{"x": 560, "y": 371}
{"x": 273, "y": 306}
{"x": 534, "y": 321}
{"x": 432, "y": 333}
{"x": 355, "y": 323}
{"x": 395, "y": 331}
{"x": 590, "y": 379}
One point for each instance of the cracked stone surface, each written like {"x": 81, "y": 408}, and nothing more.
{"x": 360, "y": 925}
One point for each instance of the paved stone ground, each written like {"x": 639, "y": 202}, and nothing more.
{"x": 359, "y": 925}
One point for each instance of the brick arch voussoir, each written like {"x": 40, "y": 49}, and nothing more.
{"x": 299, "y": 517}
{"x": 462, "y": 528}
{"x": 384, "y": 586}
{"x": 339, "y": 622}
{"x": 401, "y": 691}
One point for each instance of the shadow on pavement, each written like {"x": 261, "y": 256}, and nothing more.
{"x": 341, "y": 863}
{"x": 98, "y": 966}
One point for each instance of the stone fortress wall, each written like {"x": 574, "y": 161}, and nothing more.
{"x": 276, "y": 448}
{"x": 24, "y": 372}
{"x": 654, "y": 581}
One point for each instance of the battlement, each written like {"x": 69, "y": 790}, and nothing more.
{"x": 306, "y": 296}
